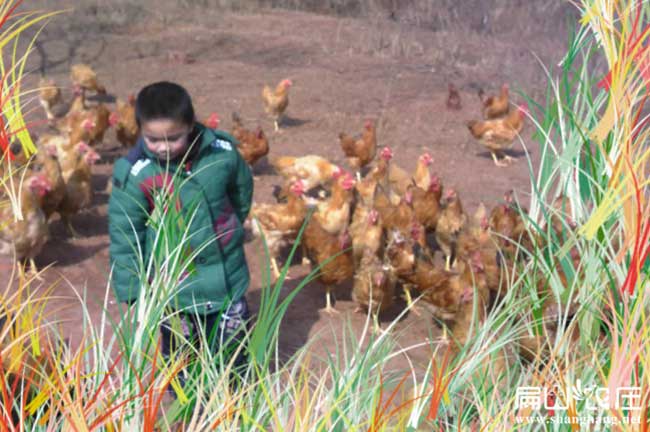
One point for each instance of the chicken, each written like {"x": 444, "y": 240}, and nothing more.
{"x": 397, "y": 180}
{"x": 511, "y": 233}
{"x": 76, "y": 165}
{"x": 443, "y": 290}
{"x": 78, "y": 103}
{"x": 395, "y": 217}
{"x": 25, "y": 238}
{"x": 99, "y": 116}
{"x": 88, "y": 125}
{"x": 360, "y": 151}
{"x": 367, "y": 233}
{"x": 499, "y": 134}
{"x": 477, "y": 239}
{"x": 422, "y": 175}
{"x": 85, "y": 78}
{"x": 46, "y": 163}
{"x": 253, "y": 145}
{"x": 495, "y": 106}
{"x": 469, "y": 285}
{"x": 453, "y": 99}
{"x": 330, "y": 253}
{"x": 561, "y": 216}
{"x": 426, "y": 203}
{"x": 334, "y": 213}
{"x": 554, "y": 317}
{"x": 280, "y": 223}
{"x": 378, "y": 175}
{"x": 124, "y": 122}
{"x": 374, "y": 285}
{"x": 49, "y": 95}
{"x": 451, "y": 222}
{"x": 276, "y": 101}
{"x": 212, "y": 121}
{"x": 311, "y": 169}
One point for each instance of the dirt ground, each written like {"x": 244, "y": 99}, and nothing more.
{"x": 344, "y": 70}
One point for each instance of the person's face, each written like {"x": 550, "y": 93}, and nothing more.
{"x": 166, "y": 138}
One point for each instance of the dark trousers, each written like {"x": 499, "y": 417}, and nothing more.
{"x": 222, "y": 330}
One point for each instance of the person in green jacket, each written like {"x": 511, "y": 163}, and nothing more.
{"x": 212, "y": 187}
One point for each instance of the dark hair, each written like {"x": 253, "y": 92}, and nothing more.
{"x": 164, "y": 100}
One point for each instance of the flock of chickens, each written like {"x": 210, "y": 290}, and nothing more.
{"x": 376, "y": 224}
{"x": 383, "y": 227}
{"x": 58, "y": 178}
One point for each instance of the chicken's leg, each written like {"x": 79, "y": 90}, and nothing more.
{"x": 497, "y": 162}
{"x": 34, "y": 270}
{"x": 276, "y": 270}
{"x": 48, "y": 110}
{"x": 305, "y": 259}
{"x": 448, "y": 262}
{"x": 68, "y": 225}
{"x": 276, "y": 125}
{"x": 409, "y": 299}
{"x": 328, "y": 308}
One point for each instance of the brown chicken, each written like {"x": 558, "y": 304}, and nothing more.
{"x": 333, "y": 214}
{"x": 399, "y": 179}
{"x": 253, "y": 145}
{"x": 85, "y": 78}
{"x": 443, "y": 290}
{"x": 276, "y": 101}
{"x": 124, "y": 122}
{"x": 499, "y": 134}
{"x": 99, "y": 116}
{"x": 322, "y": 246}
{"x": 77, "y": 104}
{"x": 280, "y": 223}
{"x": 367, "y": 232}
{"x": 47, "y": 164}
{"x": 422, "y": 175}
{"x": 471, "y": 285}
{"x": 26, "y": 237}
{"x": 398, "y": 217}
{"x": 561, "y": 216}
{"x": 453, "y": 98}
{"x": 311, "y": 169}
{"x": 49, "y": 95}
{"x": 495, "y": 106}
{"x": 377, "y": 175}
{"x": 510, "y": 229}
{"x": 451, "y": 222}
{"x": 88, "y": 125}
{"x": 76, "y": 169}
{"x": 374, "y": 286}
{"x": 426, "y": 203}
{"x": 477, "y": 239}
{"x": 555, "y": 317}
{"x": 360, "y": 151}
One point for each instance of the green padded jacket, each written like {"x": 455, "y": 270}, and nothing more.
{"x": 217, "y": 185}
